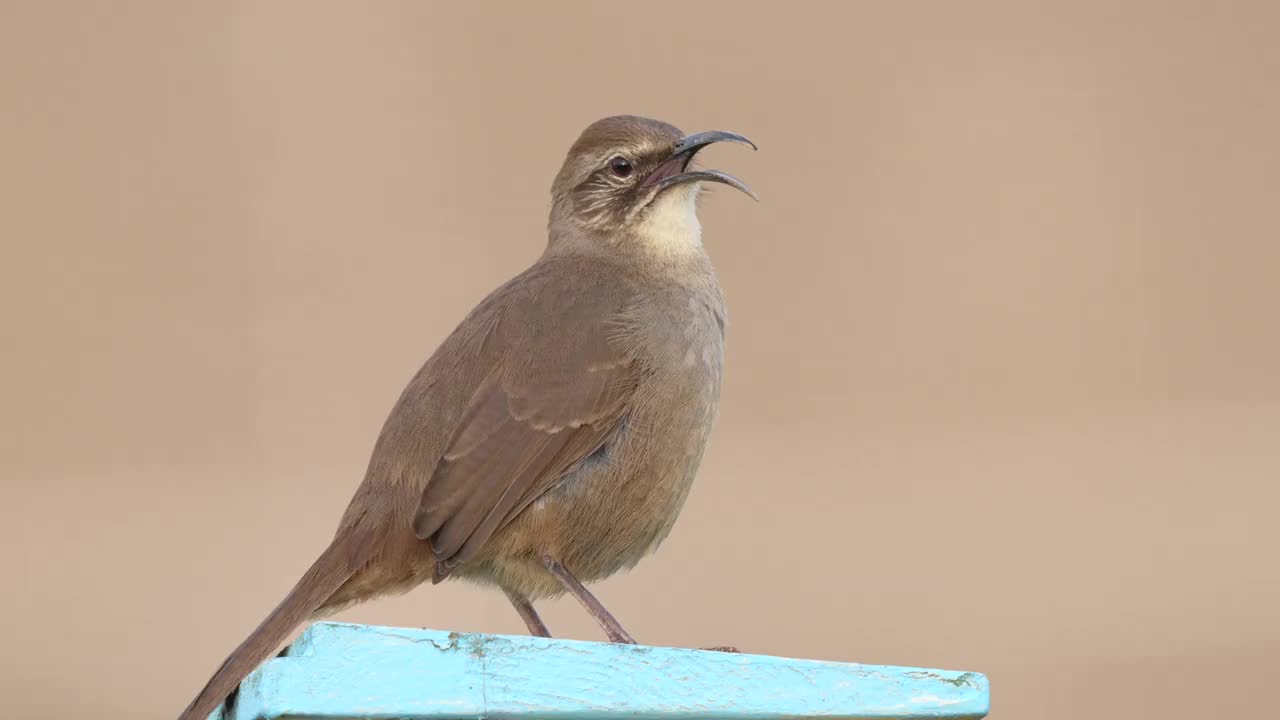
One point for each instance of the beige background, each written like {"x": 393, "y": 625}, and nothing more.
{"x": 1003, "y": 383}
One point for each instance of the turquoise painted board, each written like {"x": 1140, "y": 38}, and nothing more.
{"x": 336, "y": 670}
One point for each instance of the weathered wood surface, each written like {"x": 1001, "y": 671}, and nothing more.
{"x": 337, "y": 670}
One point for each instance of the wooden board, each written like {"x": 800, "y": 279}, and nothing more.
{"x": 338, "y": 670}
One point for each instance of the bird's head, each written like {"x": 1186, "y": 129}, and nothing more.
{"x": 626, "y": 182}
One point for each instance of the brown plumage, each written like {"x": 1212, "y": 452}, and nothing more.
{"x": 552, "y": 438}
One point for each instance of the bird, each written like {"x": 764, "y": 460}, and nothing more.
{"x": 552, "y": 438}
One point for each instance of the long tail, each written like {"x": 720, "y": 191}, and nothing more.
{"x": 346, "y": 554}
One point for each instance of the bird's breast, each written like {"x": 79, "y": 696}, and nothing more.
{"x": 678, "y": 402}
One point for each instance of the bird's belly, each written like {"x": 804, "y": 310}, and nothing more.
{"x": 629, "y": 495}
{"x": 618, "y": 505}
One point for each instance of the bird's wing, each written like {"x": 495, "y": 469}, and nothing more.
{"x": 558, "y": 387}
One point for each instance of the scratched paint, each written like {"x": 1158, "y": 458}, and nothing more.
{"x": 337, "y": 670}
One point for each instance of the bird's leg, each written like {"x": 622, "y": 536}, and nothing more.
{"x": 537, "y": 628}
{"x": 612, "y": 628}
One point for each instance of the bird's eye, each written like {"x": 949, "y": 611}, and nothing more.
{"x": 620, "y": 166}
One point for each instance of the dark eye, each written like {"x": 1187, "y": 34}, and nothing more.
{"x": 620, "y": 166}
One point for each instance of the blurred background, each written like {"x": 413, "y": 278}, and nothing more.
{"x": 1003, "y": 370}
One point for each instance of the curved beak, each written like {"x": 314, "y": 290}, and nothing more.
{"x": 674, "y": 170}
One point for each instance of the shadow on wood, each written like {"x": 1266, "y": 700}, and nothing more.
{"x": 336, "y": 670}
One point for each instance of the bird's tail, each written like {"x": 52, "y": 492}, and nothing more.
{"x": 346, "y": 554}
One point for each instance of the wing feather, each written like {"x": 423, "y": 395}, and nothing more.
{"x": 551, "y": 400}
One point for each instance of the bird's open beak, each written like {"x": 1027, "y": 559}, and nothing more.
{"x": 674, "y": 170}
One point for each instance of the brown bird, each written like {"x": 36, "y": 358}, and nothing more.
{"x": 551, "y": 440}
